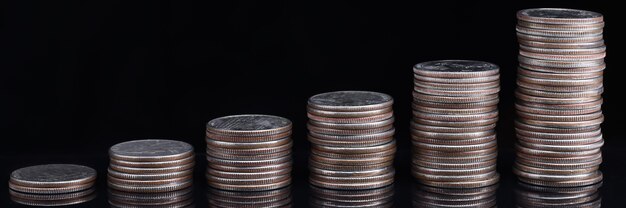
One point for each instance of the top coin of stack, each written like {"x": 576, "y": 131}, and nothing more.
{"x": 454, "y": 116}
{"x": 150, "y": 166}
{"x": 249, "y": 152}
{"x": 559, "y": 97}
{"x": 52, "y": 185}
{"x": 351, "y": 133}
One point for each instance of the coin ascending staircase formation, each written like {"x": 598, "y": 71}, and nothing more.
{"x": 249, "y": 152}
{"x": 531, "y": 196}
{"x": 454, "y": 116}
{"x": 352, "y": 144}
{"x": 378, "y": 197}
{"x": 427, "y": 196}
{"x": 259, "y": 199}
{"x": 559, "y": 97}
{"x": 151, "y": 172}
{"x": 52, "y": 185}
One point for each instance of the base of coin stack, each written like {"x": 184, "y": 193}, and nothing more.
{"x": 352, "y": 144}
{"x": 528, "y": 196}
{"x": 559, "y": 99}
{"x": 454, "y": 117}
{"x": 249, "y": 152}
{"x": 273, "y": 198}
{"x": 378, "y": 197}
{"x": 52, "y": 185}
{"x": 426, "y": 196}
{"x": 151, "y": 172}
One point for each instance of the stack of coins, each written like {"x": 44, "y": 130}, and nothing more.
{"x": 427, "y": 196}
{"x": 249, "y": 152}
{"x": 259, "y": 199}
{"x": 454, "y": 116}
{"x": 530, "y": 196}
{"x": 151, "y": 172}
{"x": 52, "y": 185}
{"x": 559, "y": 99}
{"x": 352, "y": 144}
{"x": 378, "y": 197}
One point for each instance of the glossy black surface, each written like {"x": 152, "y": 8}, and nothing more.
{"x": 79, "y": 77}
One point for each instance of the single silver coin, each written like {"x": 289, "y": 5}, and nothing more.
{"x": 350, "y": 101}
{"x": 249, "y": 125}
{"x": 456, "y": 68}
{"x": 150, "y": 150}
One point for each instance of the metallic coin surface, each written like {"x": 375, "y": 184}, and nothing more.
{"x": 350, "y": 101}
{"x": 53, "y": 175}
{"x": 249, "y": 125}
{"x": 456, "y": 69}
{"x": 150, "y": 150}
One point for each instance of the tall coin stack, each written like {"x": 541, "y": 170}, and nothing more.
{"x": 352, "y": 144}
{"x": 249, "y": 152}
{"x": 52, "y": 185}
{"x": 151, "y": 172}
{"x": 454, "y": 116}
{"x": 559, "y": 99}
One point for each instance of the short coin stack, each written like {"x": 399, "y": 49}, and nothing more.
{"x": 249, "y": 152}
{"x": 531, "y": 196}
{"x": 559, "y": 98}
{"x": 52, "y": 185}
{"x": 454, "y": 116}
{"x": 259, "y": 199}
{"x": 426, "y": 196}
{"x": 378, "y": 197}
{"x": 352, "y": 144}
{"x": 150, "y": 172}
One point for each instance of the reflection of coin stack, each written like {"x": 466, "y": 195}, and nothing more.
{"x": 531, "y": 196}
{"x": 454, "y": 116}
{"x": 52, "y": 185}
{"x": 151, "y": 172}
{"x": 352, "y": 144}
{"x": 249, "y": 152}
{"x": 559, "y": 97}
{"x": 378, "y": 197}
{"x": 427, "y": 196}
{"x": 273, "y": 198}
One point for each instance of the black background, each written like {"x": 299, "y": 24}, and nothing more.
{"x": 79, "y": 76}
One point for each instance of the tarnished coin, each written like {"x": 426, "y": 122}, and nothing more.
{"x": 350, "y": 101}
{"x": 249, "y": 125}
{"x": 559, "y": 16}
{"x": 151, "y": 150}
{"x": 53, "y": 176}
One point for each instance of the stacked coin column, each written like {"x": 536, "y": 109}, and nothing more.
{"x": 352, "y": 144}
{"x": 52, "y": 185}
{"x": 249, "y": 152}
{"x": 559, "y": 99}
{"x": 151, "y": 172}
{"x": 454, "y": 116}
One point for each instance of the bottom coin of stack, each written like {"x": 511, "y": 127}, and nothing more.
{"x": 378, "y": 197}
{"x": 173, "y": 199}
{"x": 151, "y": 168}
{"x": 528, "y": 195}
{"x": 52, "y": 185}
{"x": 427, "y": 196}
{"x": 259, "y": 199}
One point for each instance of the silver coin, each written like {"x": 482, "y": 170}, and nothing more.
{"x": 350, "y": 101}
{"x": 249, "y": 125}
{"x": 150, "y": 150}
{"x": 53, "y": 175}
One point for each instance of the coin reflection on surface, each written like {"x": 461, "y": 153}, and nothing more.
{"x": 173, "y": 199}
{"x": 53, "y": 199}
{"x": 378, "y": 197}
{"x": 428, "y": 196}
{"x": 272, "y": 198}
{"x": 528, "y": 195}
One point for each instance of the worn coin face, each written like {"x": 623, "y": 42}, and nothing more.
{"x": 150, "y": 150}
{"x": 456, "y": 69}
{"x": 559, "y": 16}
{"x": 53, "y": 175}
{"x": 249, "y": 125}
{"x": 350, "y": 101}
